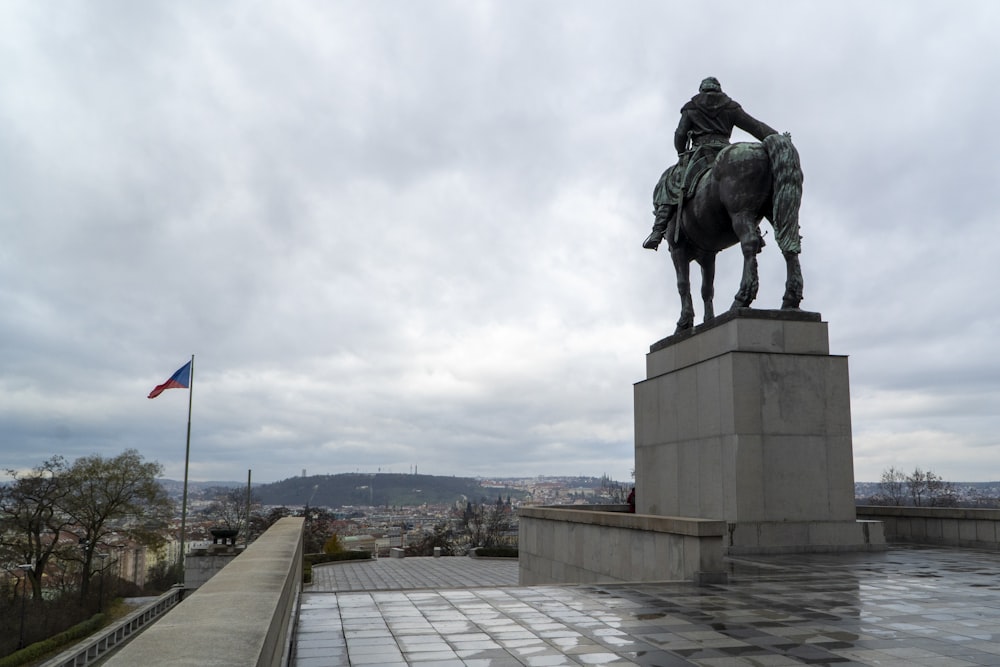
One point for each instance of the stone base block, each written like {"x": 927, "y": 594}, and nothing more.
{"x": 748, "y": 420}
{"x": 770, "y": 537}
{"x": 200, "y": 567}
{"x": 564, "y": 545}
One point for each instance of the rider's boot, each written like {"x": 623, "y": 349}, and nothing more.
{"x": 663, "y": 216}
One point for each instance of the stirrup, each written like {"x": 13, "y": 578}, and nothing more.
{"x": 653, "y": 241}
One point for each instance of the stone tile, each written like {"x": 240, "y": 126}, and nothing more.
{"x": 322, "y": 661}
{"x": 493, "y": 662}
{"x": 906, "y": 606}
{"x": 378, "y": 659}
{"x": 433, "y": 657}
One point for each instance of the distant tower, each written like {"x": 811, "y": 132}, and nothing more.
{"x": 303, "y": 472}
{"x": 414, "y": 469}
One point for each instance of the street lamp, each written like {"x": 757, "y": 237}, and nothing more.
{"x": 100, "y": 595}
{"x": 26, "y": 568}
{"x": 120, "y": 571}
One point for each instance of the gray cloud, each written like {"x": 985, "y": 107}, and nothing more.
{"x": 399, "y": 234}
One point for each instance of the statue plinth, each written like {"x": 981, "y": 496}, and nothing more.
{"x": 747, "y": 419}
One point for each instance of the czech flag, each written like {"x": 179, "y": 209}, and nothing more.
{"x": 179, "y": 380}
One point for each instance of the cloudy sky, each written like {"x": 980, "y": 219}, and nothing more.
{"x": 400, "y": 234}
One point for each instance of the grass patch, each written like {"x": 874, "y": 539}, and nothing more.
{"x": 54, "y": 643}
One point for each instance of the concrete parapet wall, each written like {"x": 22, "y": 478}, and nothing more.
{"x": 565, "y": 545}
{"x": 947, "y": 526}
{"x": 239, "y": 618}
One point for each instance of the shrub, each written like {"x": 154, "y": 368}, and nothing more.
{"x": 496, "y": 552}
{"x": 333, "y": 546}
{"x": 318, "y": 559}
{"x": 38, "y": 649}
{"x": 308, "y": 560}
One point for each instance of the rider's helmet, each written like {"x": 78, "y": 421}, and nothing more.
{"x": 710, "y": 85}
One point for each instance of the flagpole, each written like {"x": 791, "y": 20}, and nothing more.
{"x": 187, "y": 460}
{"x": 246, "y": 535}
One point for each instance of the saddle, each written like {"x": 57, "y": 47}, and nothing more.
{"x": 685, "y": 176}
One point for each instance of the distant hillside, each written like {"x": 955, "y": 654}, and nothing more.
{"x": 175, "y": 487}
{"x": 377, "y": 489}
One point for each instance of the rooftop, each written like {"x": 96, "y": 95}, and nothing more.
{"x": 905, "y": 606}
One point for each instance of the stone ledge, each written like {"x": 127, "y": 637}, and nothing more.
{"x": 654, "y": 523}
{"x": 779, "y": 537}
{"x": 946, "y": 526}
{"x": 566, "y": 545}
{"x": 238, "y": 618}
{"x": 739, "y": 313}
{"x": 967, "y": 513}
{"x": 768, "y": 332}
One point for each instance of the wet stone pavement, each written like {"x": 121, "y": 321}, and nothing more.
{"x": 907, "y": 606}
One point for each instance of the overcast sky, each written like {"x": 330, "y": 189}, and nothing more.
{"x": 400, "y": 234}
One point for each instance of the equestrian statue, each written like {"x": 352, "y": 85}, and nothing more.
{"x": 717, "y": 194}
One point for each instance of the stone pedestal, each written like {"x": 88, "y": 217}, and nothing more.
{"x": 748, "y": 420}
{"x": 200, "y": 565}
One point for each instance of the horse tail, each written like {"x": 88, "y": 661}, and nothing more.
{"x": 786, "y": 174}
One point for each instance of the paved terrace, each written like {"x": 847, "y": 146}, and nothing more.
{"x": 907, "y": 606}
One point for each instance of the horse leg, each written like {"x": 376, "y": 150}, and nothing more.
{"x": 682, "y": 265}
{"x": 793, "y": 282}
{"x": 708, "y": 284}
{"x": 745, "y": 226}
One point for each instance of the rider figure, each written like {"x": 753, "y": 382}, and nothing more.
{"x": 705, "y": 127}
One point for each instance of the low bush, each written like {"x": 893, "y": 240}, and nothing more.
{"x": 317, "y": 559}
{"x": 38, "y": 649}
{"x": 496, "y": 552}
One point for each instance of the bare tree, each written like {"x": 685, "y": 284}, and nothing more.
{"x": 443, "y": 537}
{"x": 119, "y": 494}
{"x": 891, "y": 487}
{"x": 485, "y": 523}
{"x": 939, "y": 492}
{"x": 917, "y": 489}
{"x": 31, "y": 518}
{"x": 474, "y": 522}
{"x": 916, "y": 486}
{"x": 231, "y": 509}
{"x": 319, "y": 527}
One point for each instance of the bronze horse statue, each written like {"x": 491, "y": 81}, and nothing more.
{"x": 747, "y": 182}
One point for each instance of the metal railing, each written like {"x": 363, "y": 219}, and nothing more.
{"x": 99, "y": 645}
